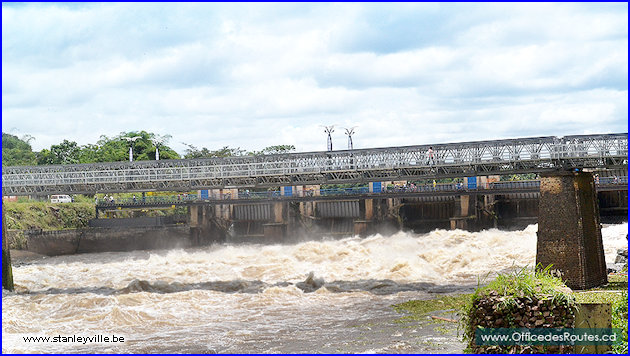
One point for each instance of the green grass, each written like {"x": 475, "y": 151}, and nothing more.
{"x": 526, "y": 283}
{"x": 619, "y": 304}
{"x": 419, "y": 308}
{"x": 508, "y": 288}
{"x": 530, "y": 283}
{"x": 615, "y": 282}
{"x": 48, "y": 216}
{"x": 620, "y": 320}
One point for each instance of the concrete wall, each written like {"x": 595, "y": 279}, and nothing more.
{"x": 64, "y": 242}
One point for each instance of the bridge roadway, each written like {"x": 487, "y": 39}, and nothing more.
{"x": 521, "y": 155}
{"x": 507, "y": 187}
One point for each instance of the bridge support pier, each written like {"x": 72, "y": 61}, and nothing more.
{"x": 276, "y": 231}
{"x": 569, "y": 231}
{"x": 461, "y": 221}
{"x": 364, "y": 227}
{"x": 7, "y": 270}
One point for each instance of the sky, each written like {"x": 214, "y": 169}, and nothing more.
{"x": 261, "y": 74}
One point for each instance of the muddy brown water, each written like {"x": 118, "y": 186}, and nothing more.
{"x": 314, "y": 296}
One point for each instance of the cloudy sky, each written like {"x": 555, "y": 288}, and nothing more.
{"x": 255, "y": 75}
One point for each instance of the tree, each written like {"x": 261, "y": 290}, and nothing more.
{"x": 67, "y": 152}
{"x": 194, "y": 152}
{"x": 114, "y": 149}
{"x": 274, "y": 150}
{"x": 16, "y": 151}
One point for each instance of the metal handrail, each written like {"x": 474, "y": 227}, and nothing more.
{"x": 393, "y": 163}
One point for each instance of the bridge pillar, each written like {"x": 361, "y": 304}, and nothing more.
{"x": 194, "y": 215}
{"x": 363, "y": 227}
{"x": 7, "y": 270}
{"x": 569, "y": 231}
{"x": 460, "y": 222}
{"x": 276, "y": 231}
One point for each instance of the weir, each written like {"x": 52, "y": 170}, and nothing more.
{"x": 567, "y": 205}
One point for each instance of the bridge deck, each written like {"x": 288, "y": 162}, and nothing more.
{"x": 523, "y": 155}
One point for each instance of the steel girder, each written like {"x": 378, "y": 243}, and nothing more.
{"x": 522, "y": 155}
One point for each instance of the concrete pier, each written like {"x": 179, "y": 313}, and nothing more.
{"x": 569, "y": 231}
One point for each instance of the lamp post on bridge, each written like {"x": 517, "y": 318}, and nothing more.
{"x": 350, "y": 132}
{"x": 131, "y": 140}
{"x": 157, "y": 143}
{"x": 329, "y": 130}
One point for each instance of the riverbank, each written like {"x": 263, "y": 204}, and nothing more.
{"x": 444, "y": 313}
{"x": 28, "y": 215}
{"x": 48, "y": 216}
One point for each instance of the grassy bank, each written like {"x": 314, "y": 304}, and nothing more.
{"x": 48, "y": 216}
{"x": 614, "y": 293}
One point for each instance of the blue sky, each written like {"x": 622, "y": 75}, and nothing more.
{"x": 255, "y": 75}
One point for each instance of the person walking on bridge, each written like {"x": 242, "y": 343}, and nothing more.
{"x": 430, "y": 156}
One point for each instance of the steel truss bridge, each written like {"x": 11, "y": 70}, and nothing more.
{"x": 499, "y": 157}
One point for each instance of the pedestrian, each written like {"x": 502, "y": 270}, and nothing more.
{"x": 430, "y": 156}
{"x": 134, "y": 199}
{"x": 95, "y": 200}
{"x": 434, "y": 184}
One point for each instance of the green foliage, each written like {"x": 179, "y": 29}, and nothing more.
{"x": 526, "y": 283}
{"x": 342, "y": 186}
{"x": 274, "y": 150}
{"x": 194, "y": 152}
{"x": 620, "y": 320}
{"x": 540, "y": 284}
{"x": 17, "y": 152}
{"x": 48, "y": 216}
{"x": 107, "y": 149}
{"x": 524, "y": 176}
{"x": 67, "y": 152}
{"x": 419, "y": 308}
{"x": 144, "y": 146}
{"x": 619, "y": 303}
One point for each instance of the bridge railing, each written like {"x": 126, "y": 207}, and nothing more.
{"x": 456, "y": 159}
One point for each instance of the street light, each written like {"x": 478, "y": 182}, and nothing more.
{"x": 329, "y": 130}
{"x": 159, "y": 140}
{"x": 350, "y": 132}
{"x": 131, "y": 140}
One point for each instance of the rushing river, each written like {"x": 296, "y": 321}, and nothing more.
{"x": 314, "y": 296}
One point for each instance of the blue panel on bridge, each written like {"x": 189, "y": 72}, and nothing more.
{"x": 472, "y": 182}
{"x": 204, "y": 194}
{"x": 288, "y": 191}
{"x": 376, "y": 187}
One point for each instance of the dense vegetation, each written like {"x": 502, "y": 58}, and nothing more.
{"x": 18, "y": 151}
{"x": 48, "y": 216}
